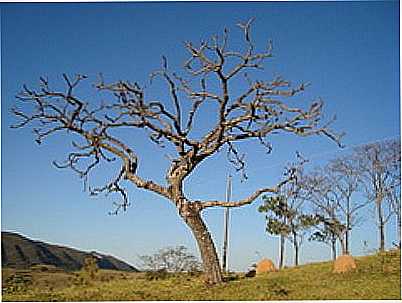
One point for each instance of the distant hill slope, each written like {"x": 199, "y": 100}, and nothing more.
{"x": 20, "y": 252}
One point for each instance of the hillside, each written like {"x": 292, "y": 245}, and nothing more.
{"x": 377, "y": 277}
{"x": 20, "y": 252}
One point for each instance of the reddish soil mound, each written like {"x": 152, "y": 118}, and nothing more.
{"x": 265, "y": 265}
{"x": 344, "y": 263}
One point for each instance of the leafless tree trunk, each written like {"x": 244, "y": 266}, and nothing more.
{"x": 343, "y": 245}
{"x": 346, "y": 182}
{"x": 282, "y": 246}
{"x": 398, "y": 228}
{"x": 252, "y": 114}
{"x": 348, "y": 228}
{"x": 379, "y": 166}
{"x": 380, "y": 224}
{"x": 397, "y": 210}
{"x": 394, "y": 199}
{"x": 281, "y": 251}
{"x": 206, "y": 246}
{"x": 333, "y": 247}
{"x": 322, "y": 192}
{"x": 296, "y": 248}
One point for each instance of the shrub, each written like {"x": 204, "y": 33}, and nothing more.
{"x": 160, "y": 274}
{"x": 90, "y": 267}
{"x": 17, "y": 282}
{"x": 88, "y": 272}
{"x": 251, "y": 273}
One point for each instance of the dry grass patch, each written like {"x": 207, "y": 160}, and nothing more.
{"x": 376, "y": 277}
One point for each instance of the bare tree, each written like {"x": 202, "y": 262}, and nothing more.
{"x": 379, "y": 168}
{"x": 394, "y": 199}
{"x": 211, "y": 71}
{"x": 394, "y": 193}
{"x": 345, "y": 179}
{"x": 318, "y": 189}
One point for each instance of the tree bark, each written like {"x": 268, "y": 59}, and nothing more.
{"x": 343, "y": 246}
{"x": 333, "y": 246}
{"x": 212, "y": 270}
{"x": 381, "y": 225}
{"x": 348, "y": 225}
{"x": 281, "y": 251}
{"x": 296, "y": 248}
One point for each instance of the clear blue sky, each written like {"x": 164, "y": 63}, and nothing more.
{"x": 349, "y": 51}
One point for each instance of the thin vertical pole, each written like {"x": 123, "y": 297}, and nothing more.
{"x": 226, "y": 224}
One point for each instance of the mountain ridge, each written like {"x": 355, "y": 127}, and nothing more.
{"x": 18, "y": 251}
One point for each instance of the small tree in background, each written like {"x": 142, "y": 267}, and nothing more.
{"x": 394, "y": 199}
{"x": 328, "y": 231}
{"x": 286, "y": 218}
{"x": 379, "y": 166}
{"x": 300, "y": 223}
{"x": 346, "y": 182}
{"x": 318, "y": 189}
{"x": 276, "y": 218}
{"x": 171, "y": 259}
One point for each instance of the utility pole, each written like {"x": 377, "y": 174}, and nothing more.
{"x": 226, "y": 224}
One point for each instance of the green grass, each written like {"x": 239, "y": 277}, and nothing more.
{"x": 376, "y": 277}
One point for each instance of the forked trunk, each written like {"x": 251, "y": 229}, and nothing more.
{"x": 206, "y": 246}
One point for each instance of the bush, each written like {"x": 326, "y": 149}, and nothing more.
{"x": 88, "y": 272}
{"x": 160, "y": 274}
{"x": 251, "y": 273}
{"x": 90, "y": 267}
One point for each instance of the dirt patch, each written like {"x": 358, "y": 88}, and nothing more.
{"x": 265, "y": 265}
{"x": 344, "y": 263}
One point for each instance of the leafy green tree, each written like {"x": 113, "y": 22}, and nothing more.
{"x": 300, "y": 223}
{"x": 328, "y": 230}
{"x": 285, "y": 217}
{"x": 276, "y": 221}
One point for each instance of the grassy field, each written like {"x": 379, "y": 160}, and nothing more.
{"x": 377, "y": 277}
